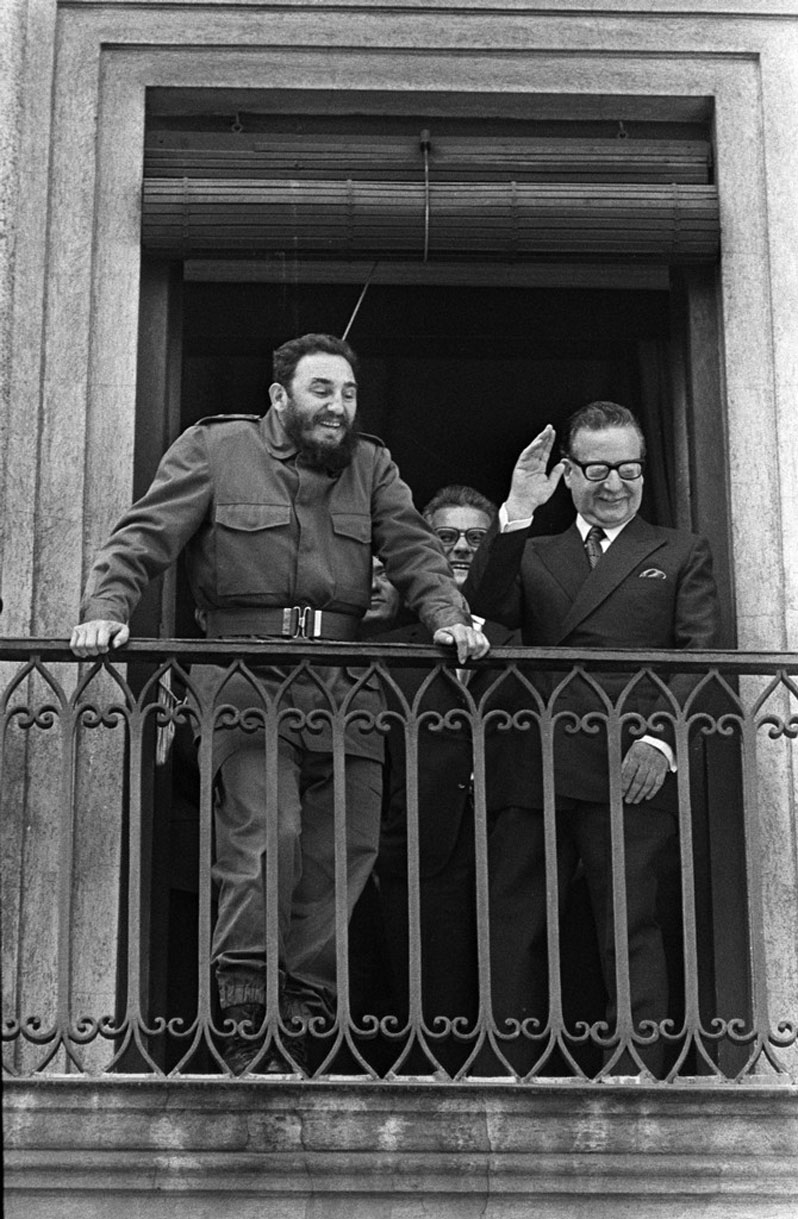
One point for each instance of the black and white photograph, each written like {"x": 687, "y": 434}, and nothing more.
{"x": 399, "y": 609}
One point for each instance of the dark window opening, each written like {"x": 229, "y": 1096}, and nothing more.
{"x": 455, "y": 381}
{"x": 456, "y": 378}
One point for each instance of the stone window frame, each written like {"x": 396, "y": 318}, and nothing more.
{"x": 76, "y": 286}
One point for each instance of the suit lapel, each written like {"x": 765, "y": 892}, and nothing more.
{"x": 563, "y": 555}
{"x": 638, "y": 540}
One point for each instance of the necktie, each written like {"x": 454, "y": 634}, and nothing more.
{"x": 593, "y": 544}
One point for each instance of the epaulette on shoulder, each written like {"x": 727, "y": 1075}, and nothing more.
{"x": 229, "y": 419}
{"x": 374, "y": 439}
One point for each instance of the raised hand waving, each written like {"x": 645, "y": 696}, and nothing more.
{"x": 531, "y": 486}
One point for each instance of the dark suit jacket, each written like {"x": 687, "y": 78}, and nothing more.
{"x": 445, "y": 759}
{"x": 653, "y": 588}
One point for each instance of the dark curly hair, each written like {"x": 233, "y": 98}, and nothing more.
{"x": 286, "y": 357}
{"x": 458, "y": 496}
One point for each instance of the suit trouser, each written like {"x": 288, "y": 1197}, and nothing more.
{"x": 447, "y": 975}
{"x": 517, "y": 904}
{"x": 305, "y": 867}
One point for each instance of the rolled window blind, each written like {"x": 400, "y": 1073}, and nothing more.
{"x": 451, "y": 158}
{"x": 207, "y": 202}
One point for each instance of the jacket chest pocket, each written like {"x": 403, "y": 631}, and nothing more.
{"x": 352, "y": 557}
{"x": 253, "y": 548}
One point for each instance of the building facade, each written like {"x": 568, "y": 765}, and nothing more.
{"x": 545, "y": 201}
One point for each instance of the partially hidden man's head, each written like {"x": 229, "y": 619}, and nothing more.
{"x": 604, "y": 450}
{"x": 314, "y": 392}
{"x": 460, "y": 517}
{"x": 385, "y": 601}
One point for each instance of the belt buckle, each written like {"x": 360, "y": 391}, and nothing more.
{"x": 302, "y": 622}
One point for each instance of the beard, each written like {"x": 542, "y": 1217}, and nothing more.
{"x": 331, "y": 455}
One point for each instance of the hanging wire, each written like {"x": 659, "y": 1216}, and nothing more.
{"x": 425, "y": 148}
{"x": 363, "y": 292}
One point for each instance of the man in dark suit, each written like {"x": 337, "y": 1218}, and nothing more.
{"x": 459, "y": 516}
{"x": 610, "y": 581}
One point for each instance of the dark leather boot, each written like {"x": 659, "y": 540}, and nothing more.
{"x": 295, "y": 1014}
{"x": 239, "y": 1051}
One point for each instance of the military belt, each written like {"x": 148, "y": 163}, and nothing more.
{"x": 289, "y": 622}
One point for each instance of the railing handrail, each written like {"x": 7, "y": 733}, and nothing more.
{"x": 215, "y": 651}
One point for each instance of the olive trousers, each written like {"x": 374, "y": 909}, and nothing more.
{"x": 302, "y": 937}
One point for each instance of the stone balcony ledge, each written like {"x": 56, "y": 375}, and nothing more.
{"x": 217, "y": 1149}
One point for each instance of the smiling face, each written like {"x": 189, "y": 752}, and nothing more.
{"x": 318, "y": 408}
{"x": 461, "y": 553}
{"x": 613, "y": 501}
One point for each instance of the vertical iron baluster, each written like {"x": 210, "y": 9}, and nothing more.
{"x": 756, "y": 923}
{"x": 343, "y": 1018}
{"x": 624, "y": 1027}
{"x": 485, "y": 1026}
{"x": 485, "y": 1020}
{"x": 12, "y": 1026}
{"x": 691, "y": 1027}
{"x": 556, "y": 1022}
{"x": 66, "y": 855}
{"x": 134, "y": 1016}
{"x": 415, "y": 1017}
{"x": 271, "y": 761}
{"x": 206, "y": 722}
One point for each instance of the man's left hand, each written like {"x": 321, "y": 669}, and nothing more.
{"x": 643, "y": 772}
{"x": 470, "y": 643}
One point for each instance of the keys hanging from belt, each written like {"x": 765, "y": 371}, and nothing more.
{"x": 171, "y": 704}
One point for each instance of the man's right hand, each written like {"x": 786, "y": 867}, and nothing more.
{"x": 95, "y": 637}
{"x": 531, "y": 486}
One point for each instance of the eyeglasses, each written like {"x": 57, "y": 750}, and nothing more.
{"x": 450, "y": 537}
{"x": 597, "y": 471}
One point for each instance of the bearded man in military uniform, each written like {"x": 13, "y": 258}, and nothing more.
{"x": 278, "y": 517}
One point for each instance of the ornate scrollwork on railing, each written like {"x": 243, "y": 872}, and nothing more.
{"x": 78, "y": 742}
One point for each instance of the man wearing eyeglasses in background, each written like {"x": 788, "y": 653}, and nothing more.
{"x": 459, "y": 517}
{"x": 609, "y": 581}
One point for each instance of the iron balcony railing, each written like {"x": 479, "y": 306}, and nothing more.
{"x": 109, "y": 903}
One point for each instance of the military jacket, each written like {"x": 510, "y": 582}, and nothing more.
{"x": 261, "y": 529}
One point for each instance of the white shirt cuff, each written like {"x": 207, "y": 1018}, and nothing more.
{"x": 508, "y": 526}
{"x": 663, "y": 747}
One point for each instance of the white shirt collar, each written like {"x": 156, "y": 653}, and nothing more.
{"x": 611, "y": 534}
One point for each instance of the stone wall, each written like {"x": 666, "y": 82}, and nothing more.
{"x": 337, "y": 1151}
{"x": 70, "y": 152}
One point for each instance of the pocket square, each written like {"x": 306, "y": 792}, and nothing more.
{"x": 653, "y": 573}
